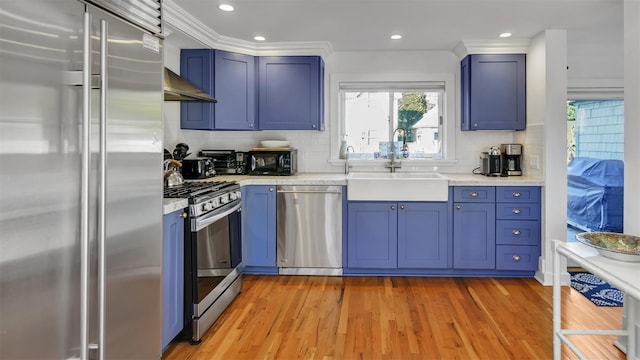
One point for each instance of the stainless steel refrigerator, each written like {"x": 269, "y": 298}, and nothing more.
{"x": 80, "y": 179}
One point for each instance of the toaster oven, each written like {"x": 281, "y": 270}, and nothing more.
{"x": 226, "y": 162}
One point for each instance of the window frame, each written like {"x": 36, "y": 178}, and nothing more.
{"x": 391, "y": 90}
{"x": 449, "y": 115}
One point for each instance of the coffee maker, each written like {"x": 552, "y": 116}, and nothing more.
{"x": 490, "y": 162}
{"x": 511, "y": 159}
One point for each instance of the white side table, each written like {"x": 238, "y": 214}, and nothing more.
{"x": 624, "y": 276}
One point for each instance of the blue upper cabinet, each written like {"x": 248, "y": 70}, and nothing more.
{"x": 196, "y": 65}
{"x": 231, "y": 79}
{"x": 493, "y": 92}
{"x": 291, "y": 93}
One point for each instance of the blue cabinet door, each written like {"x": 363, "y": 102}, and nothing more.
{"x": 493, "y": 92}
{"x": 422, "y": 235}
{"x": 230, "y": 78}
{"x": 196, "y": 65}
{"x": 474, "y": 237}
{"x": 235, "y": 90}
{"x": 259, "y": 226}
{"x": 172, "y": 275}
{"x": 372, "y": 235}
{"x": 291, "y": 93}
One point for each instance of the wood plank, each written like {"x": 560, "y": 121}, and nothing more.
{"x": 315, "y": 317}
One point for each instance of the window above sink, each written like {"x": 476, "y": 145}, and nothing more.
{"x": 379, "y": 118}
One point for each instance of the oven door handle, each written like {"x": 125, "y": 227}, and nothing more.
{"x": 204, "y": 221}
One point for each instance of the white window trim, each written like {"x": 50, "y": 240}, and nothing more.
{"x": 448, "y": 112}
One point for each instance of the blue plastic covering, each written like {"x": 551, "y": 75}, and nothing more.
{"x": 595, "y": 192}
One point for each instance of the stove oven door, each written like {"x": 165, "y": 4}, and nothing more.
{"x": 216, "y": 251}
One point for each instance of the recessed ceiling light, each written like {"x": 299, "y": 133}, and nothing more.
{"x": 225, "y": 7}
{"x": 396, "y": 37}
{"x": 505, "y": 35}
{"x": 259, "y": 38}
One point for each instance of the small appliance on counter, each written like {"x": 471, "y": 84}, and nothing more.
{"x": 491, "y": 162}
{"x": 273, "y": 161}
{"x": 198, "y": 168}
{"x": 511, "y": 159}
{"x": 226, "y": 162}
{"x": 181, "y": 151}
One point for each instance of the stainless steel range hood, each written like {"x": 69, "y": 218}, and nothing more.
{"x": 177, "y": 88}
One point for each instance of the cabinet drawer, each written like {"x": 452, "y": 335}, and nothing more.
{"x": 511, "y": 211}
{"x": 516, "y": 257}
{"x": 518, "y": 232}
{"x": 528, "y": 194}
{"x": 474, "y": 194}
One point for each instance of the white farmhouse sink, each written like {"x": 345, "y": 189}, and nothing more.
{"x": 407, "y": 186}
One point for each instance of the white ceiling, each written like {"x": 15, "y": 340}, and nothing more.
{"x": 363, "y": 25}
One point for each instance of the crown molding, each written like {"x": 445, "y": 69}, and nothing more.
{"x": 511, "y": 46}
{"x": 178, "y": 18}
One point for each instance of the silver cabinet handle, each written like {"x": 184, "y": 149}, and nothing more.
{"x": 516, "y": 232}
{"x": 393, "y": 207}
{"x": 474, "y": 194}
{"x": 458, "y": 207}
{"x": 271, "y": 189}
{"x": 516, "y": 258}
{"x": 516, "y": 194}
{"x": 516, "y": 211}
{"x": 183, "y": 215}
{"x": 401, "y": 207}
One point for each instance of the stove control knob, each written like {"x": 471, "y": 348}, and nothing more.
{"x": 207, "y": 206}
{"x": 238, "y": 194}
{"x": 233, "y": 196}
{"x": 224, "y": 199}
{"x": 215, "y": 203}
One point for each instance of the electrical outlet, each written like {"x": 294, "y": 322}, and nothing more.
{"x": 533, "y": 162}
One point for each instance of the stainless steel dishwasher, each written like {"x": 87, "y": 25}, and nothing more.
{"x": 309, "y": 230}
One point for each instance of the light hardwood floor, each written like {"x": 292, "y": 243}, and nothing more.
{"x": 304, "y": 317}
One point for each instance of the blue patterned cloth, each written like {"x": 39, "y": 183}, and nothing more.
{"x": 595, "y": 289}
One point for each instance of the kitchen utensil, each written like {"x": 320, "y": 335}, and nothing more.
{"x": 181, "y": 151}
{"x": 167, "y": 154}
{"x": 172, "y": 176}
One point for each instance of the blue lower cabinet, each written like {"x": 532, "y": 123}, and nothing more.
{"x": 517, "y": 257}
{"x": 390, "y": 235}
{"x": 259, "y": 228}
{"x": 422, "y": 235}
{"x": 474, "y": 236}
{"x": 372, "y": 235}
{"x": 172, "y": 275}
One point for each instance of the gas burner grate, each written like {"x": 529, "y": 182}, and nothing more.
{"x": 194, "y": 189}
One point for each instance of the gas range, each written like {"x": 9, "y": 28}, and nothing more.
{"x": 206, "y": 197}
{"x": 212, "y": 252}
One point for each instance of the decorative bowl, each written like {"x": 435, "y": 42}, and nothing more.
{"x": 613, "y": 245}
{"x": 274, "y": 143}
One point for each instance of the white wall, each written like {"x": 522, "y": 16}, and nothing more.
{"x": 546, "y": 112}
{"x": 631, "y": 116}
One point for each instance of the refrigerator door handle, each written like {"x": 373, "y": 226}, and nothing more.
{"x": 102, "y": 197}
{"x": 84, "y": 188}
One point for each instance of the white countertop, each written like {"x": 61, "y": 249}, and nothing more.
{"x": 340, "y": 179}
{"x": 170, "y": 205}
